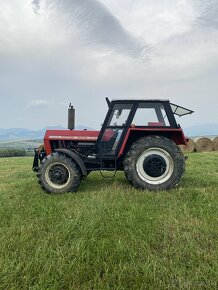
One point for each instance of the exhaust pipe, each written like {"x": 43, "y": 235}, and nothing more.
{"x": 71, "y": 117}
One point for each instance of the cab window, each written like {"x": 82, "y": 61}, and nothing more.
{"x": 150, "y": 114}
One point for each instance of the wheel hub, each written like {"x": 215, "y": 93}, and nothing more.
{"x": 154, "y": 165}
{"x": 58, "y": 174}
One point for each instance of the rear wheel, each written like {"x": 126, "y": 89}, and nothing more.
{"x": 154, "y": 163}
{"x": 58, "y": 173}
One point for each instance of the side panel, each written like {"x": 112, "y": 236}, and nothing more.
{"x": 68, "y": 135}
{"x": 176, "y": 135}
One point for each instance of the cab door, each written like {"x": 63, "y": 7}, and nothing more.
{"x": 114, "y": 129}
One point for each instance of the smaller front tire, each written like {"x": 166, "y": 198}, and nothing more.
{"x": 58, "y": 174}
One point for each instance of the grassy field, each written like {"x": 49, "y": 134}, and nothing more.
{"x": 109, "y": 235}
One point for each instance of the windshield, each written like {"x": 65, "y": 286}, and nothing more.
{"x": 120, "y": 115}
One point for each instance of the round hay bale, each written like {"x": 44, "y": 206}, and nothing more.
{"x": 215, "y": 143}
{"x": 189, "y": 147}
{"x": 203, "y": 144}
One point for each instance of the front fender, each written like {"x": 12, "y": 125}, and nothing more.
{"x": 76, "y": 158}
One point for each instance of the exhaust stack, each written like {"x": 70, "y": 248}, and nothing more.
{"x": 71, "y": 117}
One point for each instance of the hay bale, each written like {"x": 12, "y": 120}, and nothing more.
{"x": 189, "y": 147}
{"x": 215, "y": 143}
{"x": 203, "y": 144}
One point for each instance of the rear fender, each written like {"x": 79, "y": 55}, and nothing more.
{"x": 134, "y": 133}
{"x": 76, "y": 158}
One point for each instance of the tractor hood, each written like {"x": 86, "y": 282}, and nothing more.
{"x": 52, "y": 136}
{"x": 74, "y": 135}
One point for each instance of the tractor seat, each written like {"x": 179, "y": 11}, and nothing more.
{"x": 156, "y": 124}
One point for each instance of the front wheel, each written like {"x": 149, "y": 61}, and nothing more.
{"x": 58, "y": 173}
{"x": 154, "y": 163}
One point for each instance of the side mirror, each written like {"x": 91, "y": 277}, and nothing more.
{"x": 118, "y": 114}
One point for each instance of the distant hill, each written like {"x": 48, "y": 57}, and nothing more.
{"x": 25, "y": 134}
{"x": 22, "y": 134}
{"x": 13, "y": 134}
{"x": 202, "y": 130}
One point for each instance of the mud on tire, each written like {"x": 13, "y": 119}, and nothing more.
{"x": 154, "y": 163}
{"x": 58, "y": 173}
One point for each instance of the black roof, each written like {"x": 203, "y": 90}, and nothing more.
{"x": 139, "y": 100}
{"x": 177, "y": 110}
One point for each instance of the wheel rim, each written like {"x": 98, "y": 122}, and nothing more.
{"x": 57, "y": 175}
{"x": 155, "y": 166}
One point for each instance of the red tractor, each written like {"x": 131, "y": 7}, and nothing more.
{"x": 140, "y": 137}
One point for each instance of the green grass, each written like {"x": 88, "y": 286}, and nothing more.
{"x": 109, "y": 235}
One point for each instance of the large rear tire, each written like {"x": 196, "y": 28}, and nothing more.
{"x": 58, "y": 174}
{"x": 154, "y": 163}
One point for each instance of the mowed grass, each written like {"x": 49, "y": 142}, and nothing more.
{"x": 109, "y": 235}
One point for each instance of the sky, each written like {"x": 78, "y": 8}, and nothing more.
{"x": 56, "y": 52}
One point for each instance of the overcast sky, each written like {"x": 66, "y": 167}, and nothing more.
{"x": 53, "y": 52}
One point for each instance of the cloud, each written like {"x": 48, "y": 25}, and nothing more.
{"x": 208, "y": 13}
{"x": 37, "y": 104}
{"x": 94, "y": 25}
{"x": 154, "y": 22}
{"x": 36, "y": 6}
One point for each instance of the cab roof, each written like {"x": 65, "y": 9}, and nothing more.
{"x": 177, "y": 110}
{"x": 140, "y": 100}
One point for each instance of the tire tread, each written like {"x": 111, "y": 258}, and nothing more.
{"x": 72, "y": 166}
{"x": 137, "y": 149}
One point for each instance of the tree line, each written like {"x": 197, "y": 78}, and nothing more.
{"x": 6, "y": 152}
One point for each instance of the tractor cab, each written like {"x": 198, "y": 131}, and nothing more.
{"x": 131, "y": 117}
